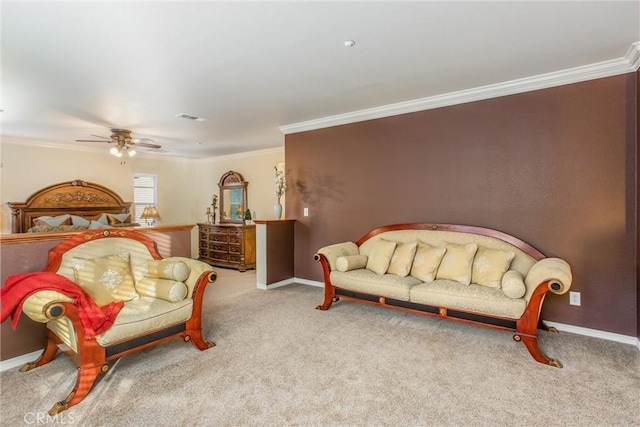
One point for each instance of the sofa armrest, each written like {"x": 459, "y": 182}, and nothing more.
{"x": 555, "y": 271}
{"x": 332, "y": 252}
{"x": 197, "y": 269}
{"x": 39, "y": 307}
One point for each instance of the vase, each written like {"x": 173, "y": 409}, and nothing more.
{"x": 277, "y": 209}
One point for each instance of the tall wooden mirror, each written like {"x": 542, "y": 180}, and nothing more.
{"x": 233, "y": 198}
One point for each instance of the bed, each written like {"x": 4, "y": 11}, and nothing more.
{"x": 70, "y": 206}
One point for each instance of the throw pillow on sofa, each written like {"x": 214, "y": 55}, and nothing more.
{"x": 380, "y": 256}
{"x": 426, "y": 261}
{"x": 161, "y": 269}
{"x": 513, "y": 284}
{"x": 402, "y": 259}
{"x": 168, "y": 290}
{"x": 489, "y": 265}
{"x": 106, "y": 279}
{"x": 457, "y": 262}
{"x": 351, "y": 262}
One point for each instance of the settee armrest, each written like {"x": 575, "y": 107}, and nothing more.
{"x": 332, "y": 252}
{"x": 555, "y": 271}
{"x": 40, "y": 307}
{"x": 200, "y": 274}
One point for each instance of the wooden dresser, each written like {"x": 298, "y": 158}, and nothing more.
{"x": 228, "y": 245}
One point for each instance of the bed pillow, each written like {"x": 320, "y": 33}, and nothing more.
{"x": 93, "y": 225}
{"x": 457, "y": 262}
{"x": 489, "y": 265}
{"x": 107, "y": 279}
{"x": 402, "y": 259}
{"x": 380, "y": 256}
{"x": 426, "y": 261}
{"x": 78, "y": 220}
{"x": 117, "y": 219}
{"x": 52, "y": 221}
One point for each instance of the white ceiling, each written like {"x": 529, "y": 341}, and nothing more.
{"x": 71, "y": 69}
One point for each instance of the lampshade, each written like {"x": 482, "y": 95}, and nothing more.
{"x": 150, "y": 212}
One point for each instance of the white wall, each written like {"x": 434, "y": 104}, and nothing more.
{"x": 185, "y": 187}
{"x": 255, "y": 167}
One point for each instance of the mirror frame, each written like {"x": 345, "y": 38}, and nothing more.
{"x": 232, "y": 181}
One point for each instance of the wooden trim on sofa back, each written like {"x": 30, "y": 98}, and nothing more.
{"x": 525, "y": 247}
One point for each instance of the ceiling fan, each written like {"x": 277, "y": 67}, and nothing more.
{"x": 124, "y": 142}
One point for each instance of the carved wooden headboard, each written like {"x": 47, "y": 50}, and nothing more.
{"x": 77, "y": 197}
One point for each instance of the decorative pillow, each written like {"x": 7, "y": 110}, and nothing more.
{"x": 380, "y": 256}
{"x": 78, "y": 220}
{"x": 96, "y": 224}
{"x": 351, "y": 262}
{"x": 426, "y": 262}
{"x": 402, "y": 259}
{"x": 513, "y": 284}
{"x": 103, "y": 219}
{"x": 489, "y": 266}
{"x": 161, "y": 269}
{"x": 456, "y": 263}
{"x": 107, "y": 279}
{"x": 115, "y": 219}
{"x": 50, "y": 228}
{"x": 168, "y": 290}
{"x": 52, "y": 221}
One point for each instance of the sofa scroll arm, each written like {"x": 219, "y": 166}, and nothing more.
{"x": 554, "y": 271}
{"x": 193, "y": 331}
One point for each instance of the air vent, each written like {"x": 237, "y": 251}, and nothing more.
{"x": 190, "y": 117}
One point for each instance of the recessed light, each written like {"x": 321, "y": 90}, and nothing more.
{"x": 190, "y": 117}
{"x": 349, "y": 43}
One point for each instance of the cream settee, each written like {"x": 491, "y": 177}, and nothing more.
{"x": 158, "y": 299}
{"x": 470, "y": 274}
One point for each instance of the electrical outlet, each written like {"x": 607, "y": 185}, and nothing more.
{"x": 306, "y": 212}
{"x": 574, "y": 298}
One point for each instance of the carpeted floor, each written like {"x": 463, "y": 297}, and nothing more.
{"x": 279, "y": 362}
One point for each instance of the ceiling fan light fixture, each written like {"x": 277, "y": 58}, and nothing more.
{"x": 115, "y": 151}
{"x": 131, "y": 152}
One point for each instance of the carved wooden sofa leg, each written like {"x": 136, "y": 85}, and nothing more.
{"x": 48, "y": 354}
{"x": 88, "y": 377}
{"x": 528, "y": 324}
{"x": 329, "y": 297}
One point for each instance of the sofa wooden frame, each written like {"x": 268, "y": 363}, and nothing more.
{"x": 93, "y": 360}
{"x": 525, "y": 328}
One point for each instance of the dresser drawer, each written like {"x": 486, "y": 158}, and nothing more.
{"x": 218, "y": 247}
{"x": 219, "y": 256}
{"x": 235, "y": 258}
{"x": 234, "y": 249}
{"x": 224, "y": 238}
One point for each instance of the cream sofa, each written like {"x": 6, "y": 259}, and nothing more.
{"x": 469, "y": 274}
{"x": 160, "y": 299}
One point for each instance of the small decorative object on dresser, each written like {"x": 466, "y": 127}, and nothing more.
{"x": 280, "y": 188}
{"x": 228, "y": 245}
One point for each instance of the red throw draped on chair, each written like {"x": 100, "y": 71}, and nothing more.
{"x": 19, "y": 287}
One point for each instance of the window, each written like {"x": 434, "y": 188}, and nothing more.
{"x": 145, "y": 193}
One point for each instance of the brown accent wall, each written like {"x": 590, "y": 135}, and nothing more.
{"x": 555, "y": 168}
{"x": 637, "y": 199}
{"x": 17, "y": 258}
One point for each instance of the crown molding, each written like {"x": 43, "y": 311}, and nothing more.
{"x": 245, "y": 154}
{"x": 629, "y": 63}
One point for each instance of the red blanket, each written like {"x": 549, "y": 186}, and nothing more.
{"x": 19, "y": 287}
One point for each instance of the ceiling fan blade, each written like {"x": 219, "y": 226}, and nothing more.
{"x": 144, "y": 144}
{"x": 93, "y": 140}
{"x": 98, "y": 136}
{"x": 136, "y": 140}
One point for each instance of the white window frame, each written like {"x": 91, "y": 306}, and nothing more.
{"x": 140, "y": 202}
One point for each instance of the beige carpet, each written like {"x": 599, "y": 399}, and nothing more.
{"x": 279, "y": 362}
